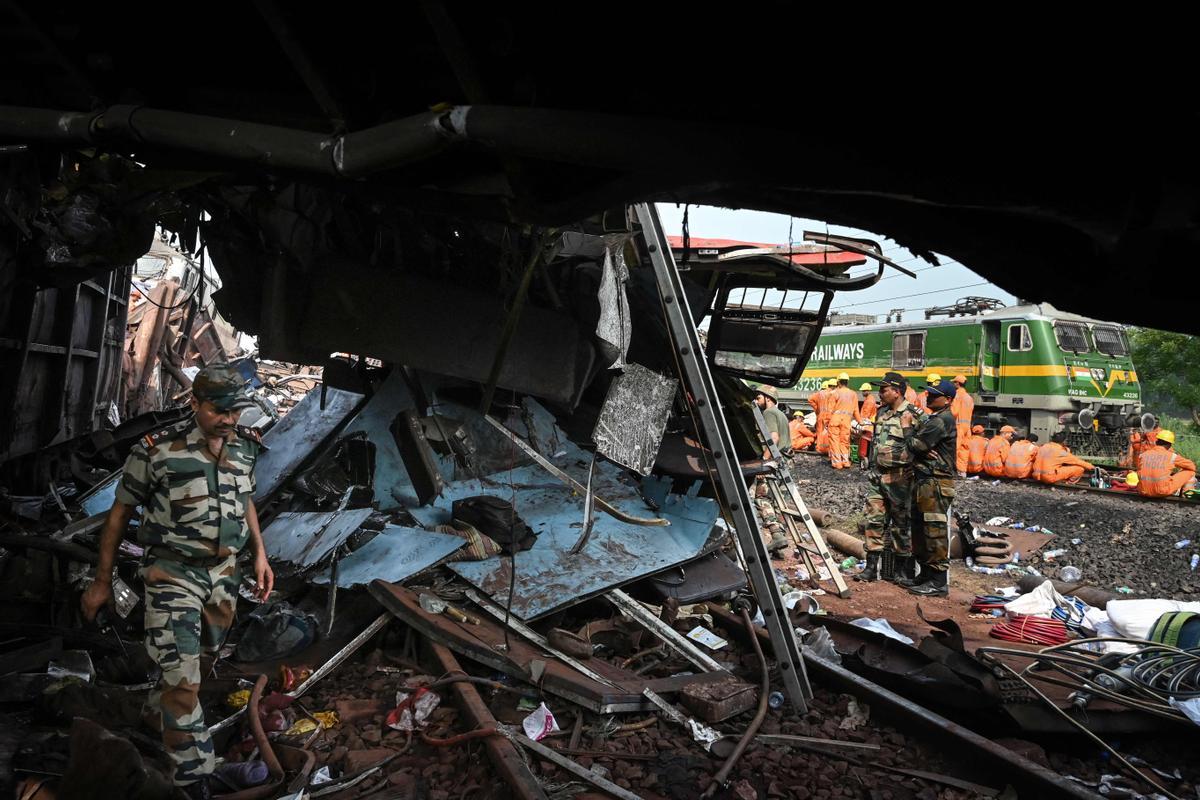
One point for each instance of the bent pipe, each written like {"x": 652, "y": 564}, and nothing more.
{"x": 592, "y": 139}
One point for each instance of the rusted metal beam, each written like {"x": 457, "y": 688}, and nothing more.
{"x": 501, "y": 752}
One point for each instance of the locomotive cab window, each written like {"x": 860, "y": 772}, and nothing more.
{"x": 908, "y": 350}
{"x": 1019, "y": 339}
{"x": 1110, "y": 340}
{"x": 1071, "y": 337}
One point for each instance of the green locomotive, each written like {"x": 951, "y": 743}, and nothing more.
{"x": 1030, "y": 366}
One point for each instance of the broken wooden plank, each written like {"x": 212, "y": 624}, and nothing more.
{"x": 501, "y": 751}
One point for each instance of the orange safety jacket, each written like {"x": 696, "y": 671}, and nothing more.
{"x": 1156, "y": 469}
{"x": 922, "y": 401}
{"x": 978, "y": 445}
{"x": 1051, "y": 458}
{"x": 843, "y": 403}
{"x": 1021, "y": 456}
{"x": 995, "y": 456}
{"x": 962, "y": 406}
{"x": 866, "y": 413}
{"x": 802, "y": 437}
{"x": 910, "y": 394}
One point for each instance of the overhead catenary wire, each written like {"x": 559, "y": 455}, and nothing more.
{"x": 915, "y": 294}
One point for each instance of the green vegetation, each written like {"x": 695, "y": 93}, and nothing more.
{"x": 1168, "y": 368}
{"x": 1187, "y": 436}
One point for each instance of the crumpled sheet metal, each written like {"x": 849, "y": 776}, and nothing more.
{"x": 614, "y": 327}
{"x": 295, "y": 436}
{"x": 303, "y": 537}
{"x": 547, "y": 576}
{"x": 395, "y": 554}
{"x": 634, "y": 417}
{"x": 100, "y": 497}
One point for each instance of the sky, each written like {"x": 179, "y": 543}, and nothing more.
{"x": 933, "y": 286}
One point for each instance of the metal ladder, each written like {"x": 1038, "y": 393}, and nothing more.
{"x": 819, "y": 547}
{"x": 730, "y": 483}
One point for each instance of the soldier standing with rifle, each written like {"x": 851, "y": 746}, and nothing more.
{"x": 889, "y": 463}
{"x": 933, "y": 446}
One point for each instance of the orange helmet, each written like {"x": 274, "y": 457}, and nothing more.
{"x": 978, "y": 429}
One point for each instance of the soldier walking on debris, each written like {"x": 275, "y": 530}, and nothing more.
{"x": 890, "y": 474}
{"x": 934, "y": 445}
{"x": 195, "y": 485}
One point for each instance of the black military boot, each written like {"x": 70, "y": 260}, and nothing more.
{"x": 936, "y": 585}
{"x": 906, "y": 572}
{"x": 871, "y": 570}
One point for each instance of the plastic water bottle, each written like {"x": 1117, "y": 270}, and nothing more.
{"x": 1182, "y": 543}
{"x": 1070, "y": 574}
{"x": 776, "y": 699}
{"x": 1195, "y": 561}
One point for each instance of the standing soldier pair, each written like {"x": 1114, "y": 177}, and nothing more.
{"x": 912, "y": 457}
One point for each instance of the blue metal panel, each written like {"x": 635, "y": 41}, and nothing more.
{"x": 100, "y": 497}
{"x": 547, "y": 576}
{"x": 393, "y": 489}
{"x": 294, "y": 437}
{"x": 305, "y": 537}
{"x": 393, "y": 555}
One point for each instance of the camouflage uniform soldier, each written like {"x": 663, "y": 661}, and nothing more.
{"x": 933, "y": 445}
{"x": 890, "y": 475}
{"x": 767, "y": 400}
{"x": 195, "y": 485}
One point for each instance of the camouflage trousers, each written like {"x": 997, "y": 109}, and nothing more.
{"x": 888, "y": 509}
{"x": 768, "y": 515}
{"x": 189, "y": 610}
{"x": 931, "y": 520}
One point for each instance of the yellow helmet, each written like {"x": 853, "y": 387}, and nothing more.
{"x": 866, "y": 387}
{"x": 1131, "y": 479}
{"x": 933, "y": 378}
{"x": 1166, "y": 436}
{"x": 829, "y": 384}
{"x": 843, "y": 376}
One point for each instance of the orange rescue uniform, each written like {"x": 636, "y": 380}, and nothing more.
{"x": 1021, "y": 456}
{"x": 843, "y": 409}
{"x": 922, "y": 401}
{"x": 910, "y": 394}
{"x": 866, "y": 417}
{"x": 1057, "y": 464}
{"x": 963, "y": 408}
{"x": 995, "y": 455}
{"x": 802, "y": 437}
{"x": 976, "y": 446}
{"x": 1156, "y": 472}
{"x": 823, "y": 414}
{"x": 1139, "y": 442}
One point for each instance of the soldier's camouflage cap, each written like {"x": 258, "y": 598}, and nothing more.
{"x": 222, "y": 386}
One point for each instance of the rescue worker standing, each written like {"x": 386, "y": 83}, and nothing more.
{"x": 1022, "y": 454}
{"x": 1139, "y": 442}
{"x": 1157, "y": 476}
{"x": 934, "y": 447}
{"x": 823, "y": 417}
{"x": 843, "y": 405}
{"x": 889, "y": 503}
{"x": 195, "y": 485}
{"x": 976, "y": 449}
{"x": 866, "y": 420}
{"x": 1056, "y": 464}
{"x": 963, "y": 409}
{"x": 996, "y": 453}
{"x": 802, "y": 437}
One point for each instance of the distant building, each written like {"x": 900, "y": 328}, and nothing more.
{"x": 852, "y": 319}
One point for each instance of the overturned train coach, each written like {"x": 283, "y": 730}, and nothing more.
{"x": 1030, "y": 366}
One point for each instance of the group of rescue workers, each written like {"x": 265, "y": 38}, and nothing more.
{"x": 913, "y": 444}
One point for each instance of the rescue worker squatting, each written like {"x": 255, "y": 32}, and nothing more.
{"x": 890, "y": 475}
{"x": 195, "y": 485}
{"x": 1163, "y": 472}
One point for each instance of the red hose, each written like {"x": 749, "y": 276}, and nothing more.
{"x": 1031, "y": 630}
